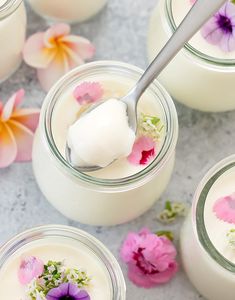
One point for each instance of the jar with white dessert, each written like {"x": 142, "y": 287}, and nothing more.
{"x": 129, "y": 186}
{"x": 59, "y": 262}
{"x": 208, "y": 234}
{"x": 70, "y": 11}
{"x": 12, "y": 35}
{"x": 202, "y": 74}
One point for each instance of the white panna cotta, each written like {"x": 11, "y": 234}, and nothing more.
{"x": 208, "y": 235}
{"x": 110, "y": 138}
{"x": 130, "y": 185}
{"x": 67, "y": 10}
{"x": 201, "y": 75}
{"x": 12, "y": 35}
{"x": 72, "y": 250}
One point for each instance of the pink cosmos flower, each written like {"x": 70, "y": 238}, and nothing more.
{"x": 220, "y": 29}
{"x": 88, "y": 92}
{"x": 54, "y": 52}
{"x": 143, "y": 151}
{"x": 224, "y": 208}
{"x": 30, "y": 268}
{"x": 17, "y": 126}
{"x": 150, "y": 258}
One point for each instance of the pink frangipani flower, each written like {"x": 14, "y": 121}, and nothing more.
{"x": 54, "y": 52}
{"x": 143, "y": 151}
{"x": 30, "y": 268}
{"x": 151, "y": 259}
{"x": 220, "y": 29}
{"x": 224, "y": 208}
{"x": 17, "y": 127}
{"x": 88, "y": 92}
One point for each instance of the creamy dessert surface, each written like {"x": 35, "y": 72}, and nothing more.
{"x": 217, "y": 229}
{"x": 179, "y": 10}
{"x": 67, "y": 111}
{"x": 73, "y": 254}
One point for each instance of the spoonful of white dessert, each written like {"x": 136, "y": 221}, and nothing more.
{"x": 110, "y": 126}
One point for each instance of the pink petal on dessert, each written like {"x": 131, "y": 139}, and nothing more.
{"x": 8, "y": 147}
{"x": 27, "y": 117}
{"x": 88, "y": 92}
{"x": 143, "y": 151}
{"x": 11, "y": 104}
{"x": 35, "y": 53}
{"x": 82, "y": 46}
{"x": 24, "y": 141}
{"x": 55, "y": 31}
{"x": 30, "y": 268}
{"x": 224, "y": 208}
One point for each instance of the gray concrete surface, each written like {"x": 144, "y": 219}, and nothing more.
{"x": 119, "y": 33}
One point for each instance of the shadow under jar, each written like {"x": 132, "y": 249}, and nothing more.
{"x": 207, "y": 236}
{"x": 201, "y": 75}
{"x": 70, "y": 11}
{"x": 72, "y": 247}
{"x": 12, "y": 34}
{"x": 121, "y": 191}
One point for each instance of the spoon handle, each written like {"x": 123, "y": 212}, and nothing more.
{"x": 197, "y": 16}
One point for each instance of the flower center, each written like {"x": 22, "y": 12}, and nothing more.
{"x": 225, "y": 23}
{"x": 146, "y": 155}
{"x": 67, "y": 298}
{"x": 146, "y": 267}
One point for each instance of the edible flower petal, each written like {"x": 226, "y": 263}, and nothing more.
{"x": 224, "y": 208}
{"x": 17, "y": 126}
{"x": 151, "y": 259}
{"x": 56, "y": 51}
{"x": 220, "y": 29}
{"x": 143, "y": 151}
{"x": 88, "y": 92}
{"x": 67, "y": 291}
{"x": 30, "y": 268}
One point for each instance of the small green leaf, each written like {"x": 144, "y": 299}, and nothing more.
{"x": 166, "y": 233}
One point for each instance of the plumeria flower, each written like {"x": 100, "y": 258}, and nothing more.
{"x": 224, "y": 208}
{"x": 143, "y": 151}
{"x": 54, "y": 52}
{"x": 150, "y": 258}
{"x": 68, "y": 291}
{"x": 88, "y": 92}
{"x": 30, "y": 268}
{"x": 17, "y": 126}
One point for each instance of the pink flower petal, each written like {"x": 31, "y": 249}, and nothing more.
{"x": 55, "y": 31}
{"x": 24, "y": 141}
{"x": 35, "y": 53}
{"x": 143, "y": 151}
{"x": 27, "y": 117}
{"x": 8, "y": 148}
{"x": 30, "y": 268}
{"x": 11, "y": 104}
{"x": 83, "y": 47}
{"x": 48, "y": 77}
{"x": 88, "y": 92}
{"x": 224, "y": 208}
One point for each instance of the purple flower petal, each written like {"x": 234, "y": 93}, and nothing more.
{"x": 67, "y": 290}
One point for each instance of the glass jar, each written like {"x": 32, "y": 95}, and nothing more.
{"x": 206, "y": 266}
{"x": 71, "y": 11}
{"x": 92, "y": 200}
{"x": 92, "y": 256}
{"x": 193, "y": 78}
{"x": 12, "y": 35}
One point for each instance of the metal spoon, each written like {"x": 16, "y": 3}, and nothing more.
{"x": 201, "y": 11}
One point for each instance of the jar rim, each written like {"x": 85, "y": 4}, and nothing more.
{"x": 9, "y": 7}
{"x": 53, "y": 230}
{"x": 189, "y": 48}
{"x": 106, "y": 184}
{"x": 198, "y": 206}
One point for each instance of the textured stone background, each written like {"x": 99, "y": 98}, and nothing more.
{"x": 119, "y": 33}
